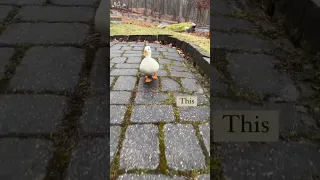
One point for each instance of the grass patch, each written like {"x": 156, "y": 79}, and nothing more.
{"x": 179, "y": 27}
{"x": 131, "y": 29}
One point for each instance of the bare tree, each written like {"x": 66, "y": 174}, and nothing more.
{"x": 180, "y": 11}
{"x": 145, "y": 8}
{"x": 152, "y": 8}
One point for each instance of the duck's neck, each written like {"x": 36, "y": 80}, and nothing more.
{"x": 148, "y": 56}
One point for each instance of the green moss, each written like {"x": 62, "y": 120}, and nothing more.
{"x": 171, "y": 99}
{"x": 293, "y": 134}
{"x": 240, "y": 94}
{"x": 315, "y": 136}
{"x": 163, "y": 166}
{"x": 131, "y": 29}
{"x": 141, "y": 171}
{"x": 215, "y": 165}
{"x": 166, "y": 68}
{"x": 179, "y": 26}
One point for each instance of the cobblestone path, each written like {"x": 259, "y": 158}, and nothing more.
{"x": 46, "y": 90}
{"x": 149, "y": 133}
{"x": 259, "y": 63}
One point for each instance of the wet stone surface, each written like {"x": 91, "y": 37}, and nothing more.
{"x": 56, "y": 14}
{"x": 46, "y": 68}
{"x": 5, "y": 55}
{"x": 31, "y": 113}
{"x": 271, "y": 160}
{"x": 89, "y": 159}
{"x": 95, "y": 115}
{"x": 262, "y": 66}
{"x": 27, "y": 33}
{"x": 4, "y": 11}
{"x": 24, "y": 159}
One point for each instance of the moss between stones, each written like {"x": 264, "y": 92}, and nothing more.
{"x": 115, "y": 170}
{"x": 239, "y": 94}
{"x": 216, "y": 167}
{"x": 163, "y": 166}
{"x": 170, "y": 100}
{"x": 203, "y": 147}
{"x": 14, "y": 61}
{"x": 114, "y": 82}
{"x": 166, "y": 68}
{"x": 295, "y": 136}
{"x": 68, "y": 134}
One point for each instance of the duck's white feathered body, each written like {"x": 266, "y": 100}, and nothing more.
{"x": 149, "y": 66}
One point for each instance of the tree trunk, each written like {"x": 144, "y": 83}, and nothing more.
{"x": 153, "y": 8}
{"x": 145, "y": 8}
{"x": 180, "y": 11}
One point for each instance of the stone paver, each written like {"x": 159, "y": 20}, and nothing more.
{"x": 89, "y": 160}
{"x": 115, "y": 132}
{"x": 271, "y": 160}
{"x": 205, "y": 133}
{"x": 31, "y": 113}
{"x": 262, "y": 66}
{"x": 94, "y": 115}
{"x": 200, "y": 113}
{"x": 56, "y": 14}
{"x": 4, "y": 11}
{"x": 119, "y": 97}
{"x": 170, "y": 85}
{"x": 48, "y": 68}
{"x": 117, "y": 113}
{"x": 240, "y": 42}
{"x": 258, "y": 64}
{"x": 24, "y": 159}
{"x": 177, "y": 138}
{"x": 6, "y": 54}
{"x": 23, "y": 2}
{"x": 152, "y": 113}
{"x": 121, "y": 72}
{"x": 125, "y": 83}
{"x": 140, "y": 149}
{"x": 51, "y": 33}
{"x": 99, "y": 72}
{"x": 204, "y": 177}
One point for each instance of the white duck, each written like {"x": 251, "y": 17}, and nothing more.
{"x": 149, "y": 66}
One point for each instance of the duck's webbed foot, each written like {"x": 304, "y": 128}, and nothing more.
{"x": 154, "y": 76}
{"x": 147, "y": 79}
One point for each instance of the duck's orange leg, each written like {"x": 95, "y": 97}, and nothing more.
{"x": 147, "y": 79}
{"x": 155, "y": 76}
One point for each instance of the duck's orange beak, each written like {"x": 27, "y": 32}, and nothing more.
{"x": 145, "y": 53}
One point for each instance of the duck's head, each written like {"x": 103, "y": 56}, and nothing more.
{"x": 147, "y": 51}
